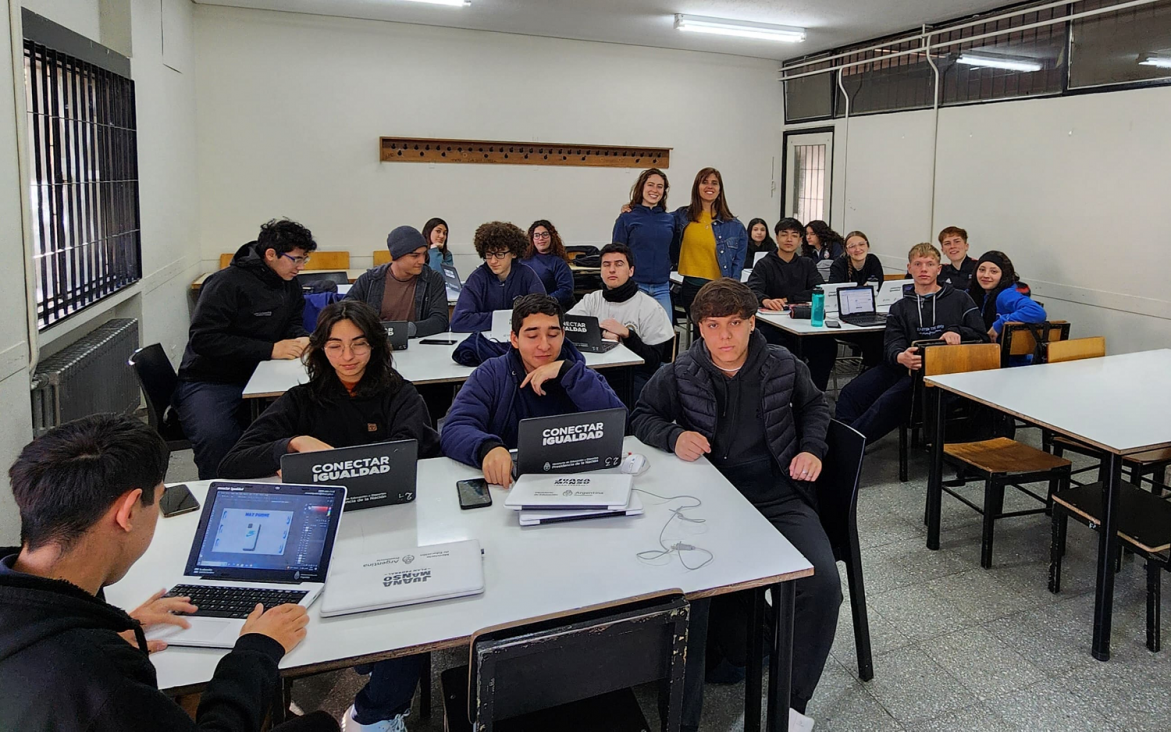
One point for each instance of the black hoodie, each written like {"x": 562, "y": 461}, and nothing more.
{"x": 871, "y": 271}
{"x": 773, "y": 277}
{"x": 924, "y": 317}
{"x": 242, "y": 311}
{"x": 64, "y": 668}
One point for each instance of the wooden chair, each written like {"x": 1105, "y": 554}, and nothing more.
{"x": 573, "y": 672}
{"x": 1000, "y": 460}
{"x": 1152, "y": 462}
{"x": 1018, "y": 340}
{"x": 837, "y": 507}
{"x": 381, "y": 256}
{"x": 1144, "y": 527}
{"x": 226, "y": 259}
{"x": 887, "y": 277}
{"x": 318, "y": 260}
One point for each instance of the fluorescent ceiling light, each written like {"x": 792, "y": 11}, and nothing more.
{"x": 455, "y": 3}
{"x": 739, "y": 28}
{"x": 999, "y": 62}
{"x": 1162, "y": 62}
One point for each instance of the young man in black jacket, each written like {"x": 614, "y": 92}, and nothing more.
{"x": 405, "y": 289}
{"x": 879, "y": 400}
{"x": 247, "y": 313}
{"x": 752, "y": 409}
{"x": 88, "y": 494}
{"x": 784, "y": 278}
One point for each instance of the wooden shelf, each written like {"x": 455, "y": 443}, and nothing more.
{"x": 489, "y": 152}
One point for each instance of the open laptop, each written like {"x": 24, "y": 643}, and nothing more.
{"x": 381, "y": 474}
{"x": 396, "y": 333}
{"x": 891, "y": 291}
{"x": 452, "y": 281}
{"x": 831, "y": 294}
{"x": 405, "y": 577}
{"x": 856, "y": 307}
{"x": 570, "y": 443}
{"x": 584, "y": 332}
{"x": 263, "y": 543}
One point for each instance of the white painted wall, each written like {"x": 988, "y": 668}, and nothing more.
{"x": 1073, "y": 189}
{"x": 291, "y": 107}
{"x": 168, "y": 207}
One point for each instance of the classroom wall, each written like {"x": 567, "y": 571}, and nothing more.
{"x": 168, "y": 203}
{"x": 1072, "y": 188}
{"x": 290, "y": 109}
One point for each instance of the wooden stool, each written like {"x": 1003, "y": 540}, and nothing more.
{"x": 1144, "y": 525}
{"x": 1002, "y": 462}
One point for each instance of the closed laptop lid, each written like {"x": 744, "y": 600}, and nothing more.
{"x": 571, "y": 443}
{"x": 596, "y": 491}
{"x": 501, "y": 322}
{"x": 582, "y": 330}
{"x": 451, "y": 277}
{"x": 376, "y": 474}
{"x": 534, "y": 517}
{"x": 396, "y": 333}
{"x": 856, "y": 300}
{"x": 404, "y": 577}
{"x": 266, "y": 532}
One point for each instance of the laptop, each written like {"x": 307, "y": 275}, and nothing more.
{"x": 396, "y": 332}
{"x": 584, "y": 332}
{"x": 831, "y": 294}
{"x": 536, "y": 518}
{"x": 856, "y": 307}
{"x": 264, "y": 543}
{"x": 452, "y": 281}
{"x": 570, "y": 443}
{"x": 501, "y": 323}
{"x": 597, "y": 492}
{"x": 891, "y": 291}
{"x": 405, "y": 577}
{"x": 382, "y": 474}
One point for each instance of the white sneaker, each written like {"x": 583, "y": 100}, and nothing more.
{"x": 798, "y": 722}
{"x": 398, "y": 724}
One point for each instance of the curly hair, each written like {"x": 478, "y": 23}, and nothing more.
{"x": 826, "y": 235}
{"x": 283, "y": 236}
{"x": 380, "y": 374}
{"x": 556, "y": 246}
{"x": 495, "y": 236}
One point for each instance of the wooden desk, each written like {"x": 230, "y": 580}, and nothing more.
{"x": 528, "y": 572}
{"x": 1115, "y": 403}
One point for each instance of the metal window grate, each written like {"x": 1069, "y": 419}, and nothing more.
{"x": 84, "y": 181}
{"x": 809, "y": 170}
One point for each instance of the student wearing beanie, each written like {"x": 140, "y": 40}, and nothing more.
{"x": 405, "y": 289}
{"x": 1001, "y": 296}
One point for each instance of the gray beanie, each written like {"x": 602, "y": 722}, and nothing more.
{"x": 403, "y": 241}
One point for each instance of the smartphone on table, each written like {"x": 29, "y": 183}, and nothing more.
{"x": 438, "y": 341}
{"x": 177, "y": 500}
{"x": 473, "y": 493}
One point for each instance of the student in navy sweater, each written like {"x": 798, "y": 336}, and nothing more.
{"x": 542, "y": 375}
{"x": 496, "y": 283}
{"x": 1001, "y": 296}
{"x": 822, "y": 242}
{"x": 546, "y": 256}
{"x": 652, "y": 233}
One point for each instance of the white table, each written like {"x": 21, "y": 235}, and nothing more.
{"x": 804, "y": 327}
{"x": 528, "y": 572}
{"x": 421, "y": 363}
{"x": 1116, "y": 403}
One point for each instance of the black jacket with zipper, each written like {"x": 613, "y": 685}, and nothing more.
{"x": 242, "y": 311}
{"x": 63, "y": 667}
{"x": 773, "y": 277}
{"x": 925, "y": 317}
{"x": 430, "y": 298}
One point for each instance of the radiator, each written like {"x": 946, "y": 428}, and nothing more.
{"x": 90, "y": 376}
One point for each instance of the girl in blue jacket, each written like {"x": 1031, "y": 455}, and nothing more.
{"x": 1001, "y": 296}
{"x": 652, "y": 233}
{"x": 435, "y": 233}
{"x": 546, "y": 256}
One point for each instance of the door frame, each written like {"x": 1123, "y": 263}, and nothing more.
{"x": 785, "y": 166}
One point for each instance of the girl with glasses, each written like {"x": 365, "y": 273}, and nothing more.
{"x": 546, "y": 256}
{"x": 857, "y": 265}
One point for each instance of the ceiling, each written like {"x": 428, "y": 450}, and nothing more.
{"x": 828, "y": 23}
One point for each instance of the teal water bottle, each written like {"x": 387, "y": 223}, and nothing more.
{"x": 818, "y": 307}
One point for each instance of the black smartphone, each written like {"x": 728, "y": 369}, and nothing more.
{"x": 438, "y": 341}
{"x": 473, "y": 493}
{"x": 832, "y": 324}
{"x": 176, "y": 500}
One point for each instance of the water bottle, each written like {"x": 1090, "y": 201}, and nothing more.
{"x": 818, "y": 316}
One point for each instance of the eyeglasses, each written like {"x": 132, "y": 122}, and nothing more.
{"x": 542, "y": 235}
{"x": 361, "y": 348}
{"x": 495, "y": 255}
{"x": 299, "y": 261}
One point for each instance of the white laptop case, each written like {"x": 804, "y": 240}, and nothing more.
{"x": 606, "y": 492}
{"x": 890, "y": 292}
{"x": 534, "y": 518}
{"x": 404, "y": 577}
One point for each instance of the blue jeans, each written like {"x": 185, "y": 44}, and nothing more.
{"x": 662, "y": 294}
{"x": 877, "y": 401}
{"x": 390, "y": 688}
{"x": 214, "y": 417}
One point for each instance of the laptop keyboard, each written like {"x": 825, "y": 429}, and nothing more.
{"x": 864, "y": 320}
{"x": 233, "y": 602}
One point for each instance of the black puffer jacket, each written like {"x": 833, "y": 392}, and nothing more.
{"x": 682, "y": 397}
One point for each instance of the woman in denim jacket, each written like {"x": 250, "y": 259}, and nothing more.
{"x": 713, "y": 242}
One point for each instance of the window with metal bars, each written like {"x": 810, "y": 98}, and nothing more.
{"x": 83, "y": 165}
{"x": 809, "y": 187}
{"x": 810, "y": 97}
{"x": 889, "y": 82}
{"x": 1131, "y": 46}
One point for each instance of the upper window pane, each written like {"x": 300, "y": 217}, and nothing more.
{"x": 889, "y": 82}
{"x": 1126, "y": 46}
{"x": 810, "y": 97}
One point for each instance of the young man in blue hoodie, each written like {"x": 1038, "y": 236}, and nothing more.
{"x": 499, "y": 281}
{"x": 879, "y": 400}
{"x": 542, "y": 375}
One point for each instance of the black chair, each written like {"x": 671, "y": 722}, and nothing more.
{"x": 158, "y": 380}
{"x": 837, "y": 499}
{"x": 573, "y": 672}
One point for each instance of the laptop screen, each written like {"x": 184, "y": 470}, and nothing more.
{"x": 853, "y": 300}
{"x": 582, "y": 330}
{"x": 451, "y": 278}
{"x": 571, "y": 443}
{"x": 266, "y": 532}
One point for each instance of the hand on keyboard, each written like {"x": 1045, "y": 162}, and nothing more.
{"x": 284, "y": 624}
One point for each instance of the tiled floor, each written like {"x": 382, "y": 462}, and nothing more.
{"x": 956, "y": 647}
